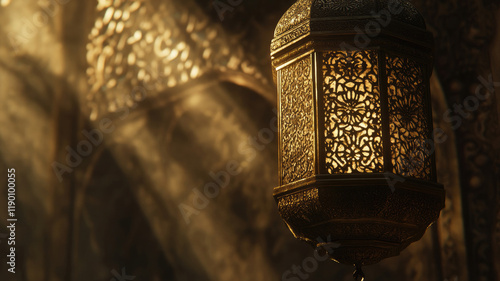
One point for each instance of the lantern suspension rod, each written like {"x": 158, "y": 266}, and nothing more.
{"x": 358, "y": 274}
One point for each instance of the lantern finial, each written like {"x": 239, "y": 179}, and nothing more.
{"x": 358, "y": 274}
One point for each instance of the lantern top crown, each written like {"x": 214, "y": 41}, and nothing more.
{"x": 309, "y": 10}
{"x": 342, "y": 16}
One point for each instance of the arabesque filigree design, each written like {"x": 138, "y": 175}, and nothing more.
{"x": 353, "y": 135}
{"x": 409, "y": 123}
{"x": 297, "y": 123}
{"x": 297, "y": 14}
{"x": 342, "y": 7}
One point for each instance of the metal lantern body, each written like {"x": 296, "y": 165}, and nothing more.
{"x": 357, "y": 171}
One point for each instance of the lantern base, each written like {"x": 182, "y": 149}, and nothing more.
{"x": 359, "y": 219}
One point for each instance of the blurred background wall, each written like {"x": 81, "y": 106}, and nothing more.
{"x": 117, "y": 115}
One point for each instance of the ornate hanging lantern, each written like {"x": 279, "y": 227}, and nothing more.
{"x": 356, "y": 156}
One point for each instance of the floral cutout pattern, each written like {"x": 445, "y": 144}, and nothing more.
{"x": 409, "y": 125}
{"x": 353, "y": 130}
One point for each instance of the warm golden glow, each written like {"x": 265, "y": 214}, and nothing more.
{"x": 353, "y": 134}
{"x": 353, "y": 138}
